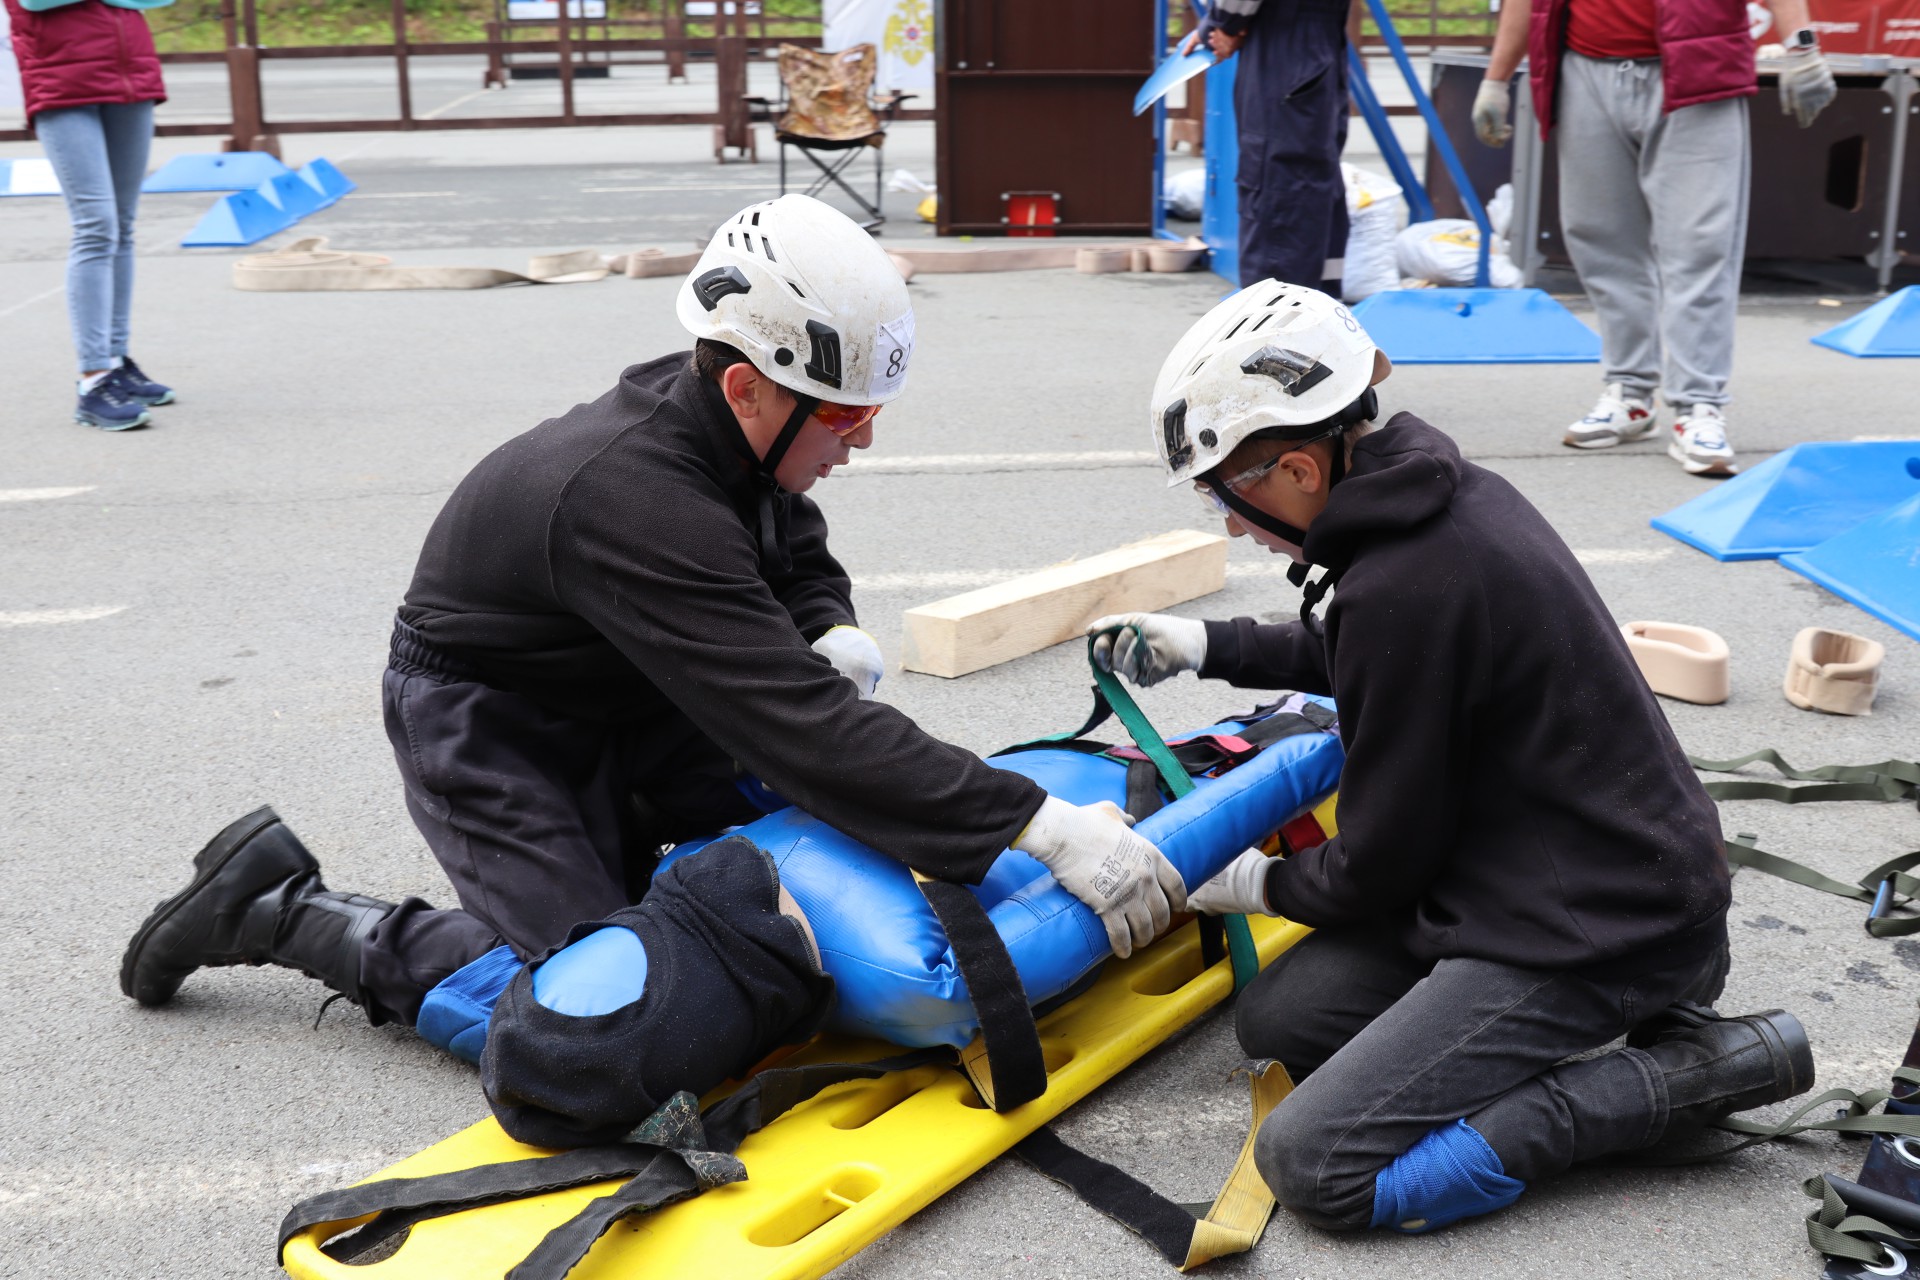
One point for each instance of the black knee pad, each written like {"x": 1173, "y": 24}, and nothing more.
{"x": 718, "y": 980}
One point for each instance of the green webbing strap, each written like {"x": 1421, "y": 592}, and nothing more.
{"x": 1240, "y": 948}
{"x": 1853, "y": 1117}
{"x": 1888, "y": 780}
{"x": 1885, "y": 888}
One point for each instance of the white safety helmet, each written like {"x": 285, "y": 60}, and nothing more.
{"x": 1275, "y": 358}
{"x": 808, "y": 298}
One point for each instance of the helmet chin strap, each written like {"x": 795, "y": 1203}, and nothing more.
{"x": 774, "y": 552}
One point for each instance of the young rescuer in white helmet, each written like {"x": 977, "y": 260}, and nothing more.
{"x": 1526, "y": 867}
{"x": 624, "y": 629}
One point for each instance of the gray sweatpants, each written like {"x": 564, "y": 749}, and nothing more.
{"x": 1654, "y": 209}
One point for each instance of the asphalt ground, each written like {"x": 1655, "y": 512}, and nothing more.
{"x": 200, "y": 628}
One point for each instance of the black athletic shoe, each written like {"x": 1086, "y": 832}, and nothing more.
{"x": 228, "y": 914}
{"x": 138, "y": 386}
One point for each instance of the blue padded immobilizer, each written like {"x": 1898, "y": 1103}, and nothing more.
{"x": 1448, "y": 1175}
{"x": 604, "y": 971}
{"x": 879, "y": 940}
{"x": 454, "y": 1015}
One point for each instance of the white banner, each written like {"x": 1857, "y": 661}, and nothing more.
{"x": 10, "y": 97}
{"x": 902, "y": 30}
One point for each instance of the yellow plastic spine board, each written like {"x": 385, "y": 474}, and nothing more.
{"x": 832, "y": 1175}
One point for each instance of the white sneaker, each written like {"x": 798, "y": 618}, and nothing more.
{"x": 1700, "y": 442}
{"x": 1614, "y": 419}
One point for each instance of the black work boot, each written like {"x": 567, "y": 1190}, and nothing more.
{"x": 256, "y": 898}
{"x": 1714, "y": 1066}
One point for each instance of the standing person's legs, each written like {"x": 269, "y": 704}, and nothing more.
{"x": 1695, "y": 172}
{"x": 1603, "y": 213}
{"x": 1291, "y": 104}
{"x": 76, "y": 144}
{"x": 1455, "y": 1090}
{"x": 127, "y": 128}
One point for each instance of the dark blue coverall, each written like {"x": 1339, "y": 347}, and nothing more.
{"x": 1290, "y": 97}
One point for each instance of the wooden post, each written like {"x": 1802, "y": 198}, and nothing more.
{"x": 673, "y": 15}
{"x": 730, "y": 68}
{"x": 566, "y": 57}
{"x": 243, "y": 85}
{"x": 400, "y": 61}
{"x": 495, "y": 76}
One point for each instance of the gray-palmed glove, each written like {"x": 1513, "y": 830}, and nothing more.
{"x": 1240, "y": 888}
{"x": 1806, "y": 85}
{"x": 1492, "y": 107}
{"x": 1164, "y": 646}
{"x": 1094, "y": 854}
{"x": 855, "y": 655}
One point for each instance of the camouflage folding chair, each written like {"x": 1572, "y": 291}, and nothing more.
{"x": 828, "y": 111}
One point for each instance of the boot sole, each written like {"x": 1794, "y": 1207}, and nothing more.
{"x": 207, "y": 863}
{"x": 108, "y": 424}
{"x": 1605, "y": 442}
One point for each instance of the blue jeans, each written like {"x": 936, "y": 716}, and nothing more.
{"x": 99, "y": 154}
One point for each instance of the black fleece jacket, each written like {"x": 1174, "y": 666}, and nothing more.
{"x": 607, "y": 565}
{"x": 1509, "y": 776}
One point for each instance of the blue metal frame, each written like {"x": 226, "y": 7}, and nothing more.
{"x": 1419, "y": 208}
{"x": 1436, "y": 137}
{"x": 1160, "y": 231}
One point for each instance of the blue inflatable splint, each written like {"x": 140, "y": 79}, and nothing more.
{"x": 895, "y": 972}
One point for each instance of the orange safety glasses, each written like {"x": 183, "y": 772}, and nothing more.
{"x": 844, "y": 419}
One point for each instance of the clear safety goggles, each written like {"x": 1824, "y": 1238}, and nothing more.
{"x": 844, "y": 419}
{"x": 1245, "y": 480}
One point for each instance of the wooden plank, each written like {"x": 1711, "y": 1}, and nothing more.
{"x": 980, "y": 629}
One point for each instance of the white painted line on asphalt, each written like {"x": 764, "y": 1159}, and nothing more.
{"x": 38, "y": 297}
{"x": 37, "y": 495}
{"x": 403, "y": 195}
{"x": 678, "y": 186}
{"x": 970, "y": 579}
{"x": 1001, "y": 461}
{"x": 437, "y": 112}
{"x": 1621, "y": 555}
{"x": 53, "y": 617}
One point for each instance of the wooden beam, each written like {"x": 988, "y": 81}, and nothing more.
{"x": 980, "y": 629}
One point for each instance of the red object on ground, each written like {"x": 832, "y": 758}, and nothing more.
{"x": 84, "y": 54}
{"x": 1032, "y": 213}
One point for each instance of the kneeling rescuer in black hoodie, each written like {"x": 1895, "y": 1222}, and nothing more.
{"x": 1526, "y": 868}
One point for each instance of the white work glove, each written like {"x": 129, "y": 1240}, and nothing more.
{"x": 1240, "y": 888}
{"x": 855, "y": 655}
{"x": 1171, "y": 645}
{"x": 1806, "y": 85}
{"x": 1492, "y": 106}
{"x": 1094, "y": 854}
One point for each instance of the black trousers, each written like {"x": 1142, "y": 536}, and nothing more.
{"x": 541, "y": 821}
{"x": 1290, "y": 101}
{"x": 1386, "y": 1048}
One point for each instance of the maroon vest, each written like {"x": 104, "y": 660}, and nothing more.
{"x": 83, "y": 54}
{"x": 1706, "y": 52}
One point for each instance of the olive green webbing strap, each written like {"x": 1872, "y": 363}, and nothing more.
{"x": 1888, "y": 780}
{"x": 1885, "y": 888}
{"x": 1240, "y": 948}
{"x": 1854, "y": 1117}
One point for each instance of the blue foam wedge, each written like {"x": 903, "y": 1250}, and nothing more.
{"x": 1796, "y": 499}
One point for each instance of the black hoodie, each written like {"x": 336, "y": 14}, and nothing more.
{"x": 608, "y": 565}
{"x": 1509, "y": 775}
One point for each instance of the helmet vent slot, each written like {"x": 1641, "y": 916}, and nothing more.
{"x": 767, "y": 246}
{"x": 756, "y": 217}
{"x": 796, "y": 289}
{"x": 1236, "y": 328}
{"x": 730, "y": 240}
{"x": 1297, "y": 374}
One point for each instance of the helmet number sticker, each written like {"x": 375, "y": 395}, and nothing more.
{"x": 892, "y": 352}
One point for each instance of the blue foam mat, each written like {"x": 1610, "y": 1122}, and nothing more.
{"x": 294, "y": 194}
{"x": 1890, "y": 327}
{"x": 232, "y": 171}
{"x": 238, "y": 219}
{"x": 1796, "y": 499}
{"x": 1476, "y": 326}
{"x": 1875, "y": 565}
{"x": 323, "y": 177}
